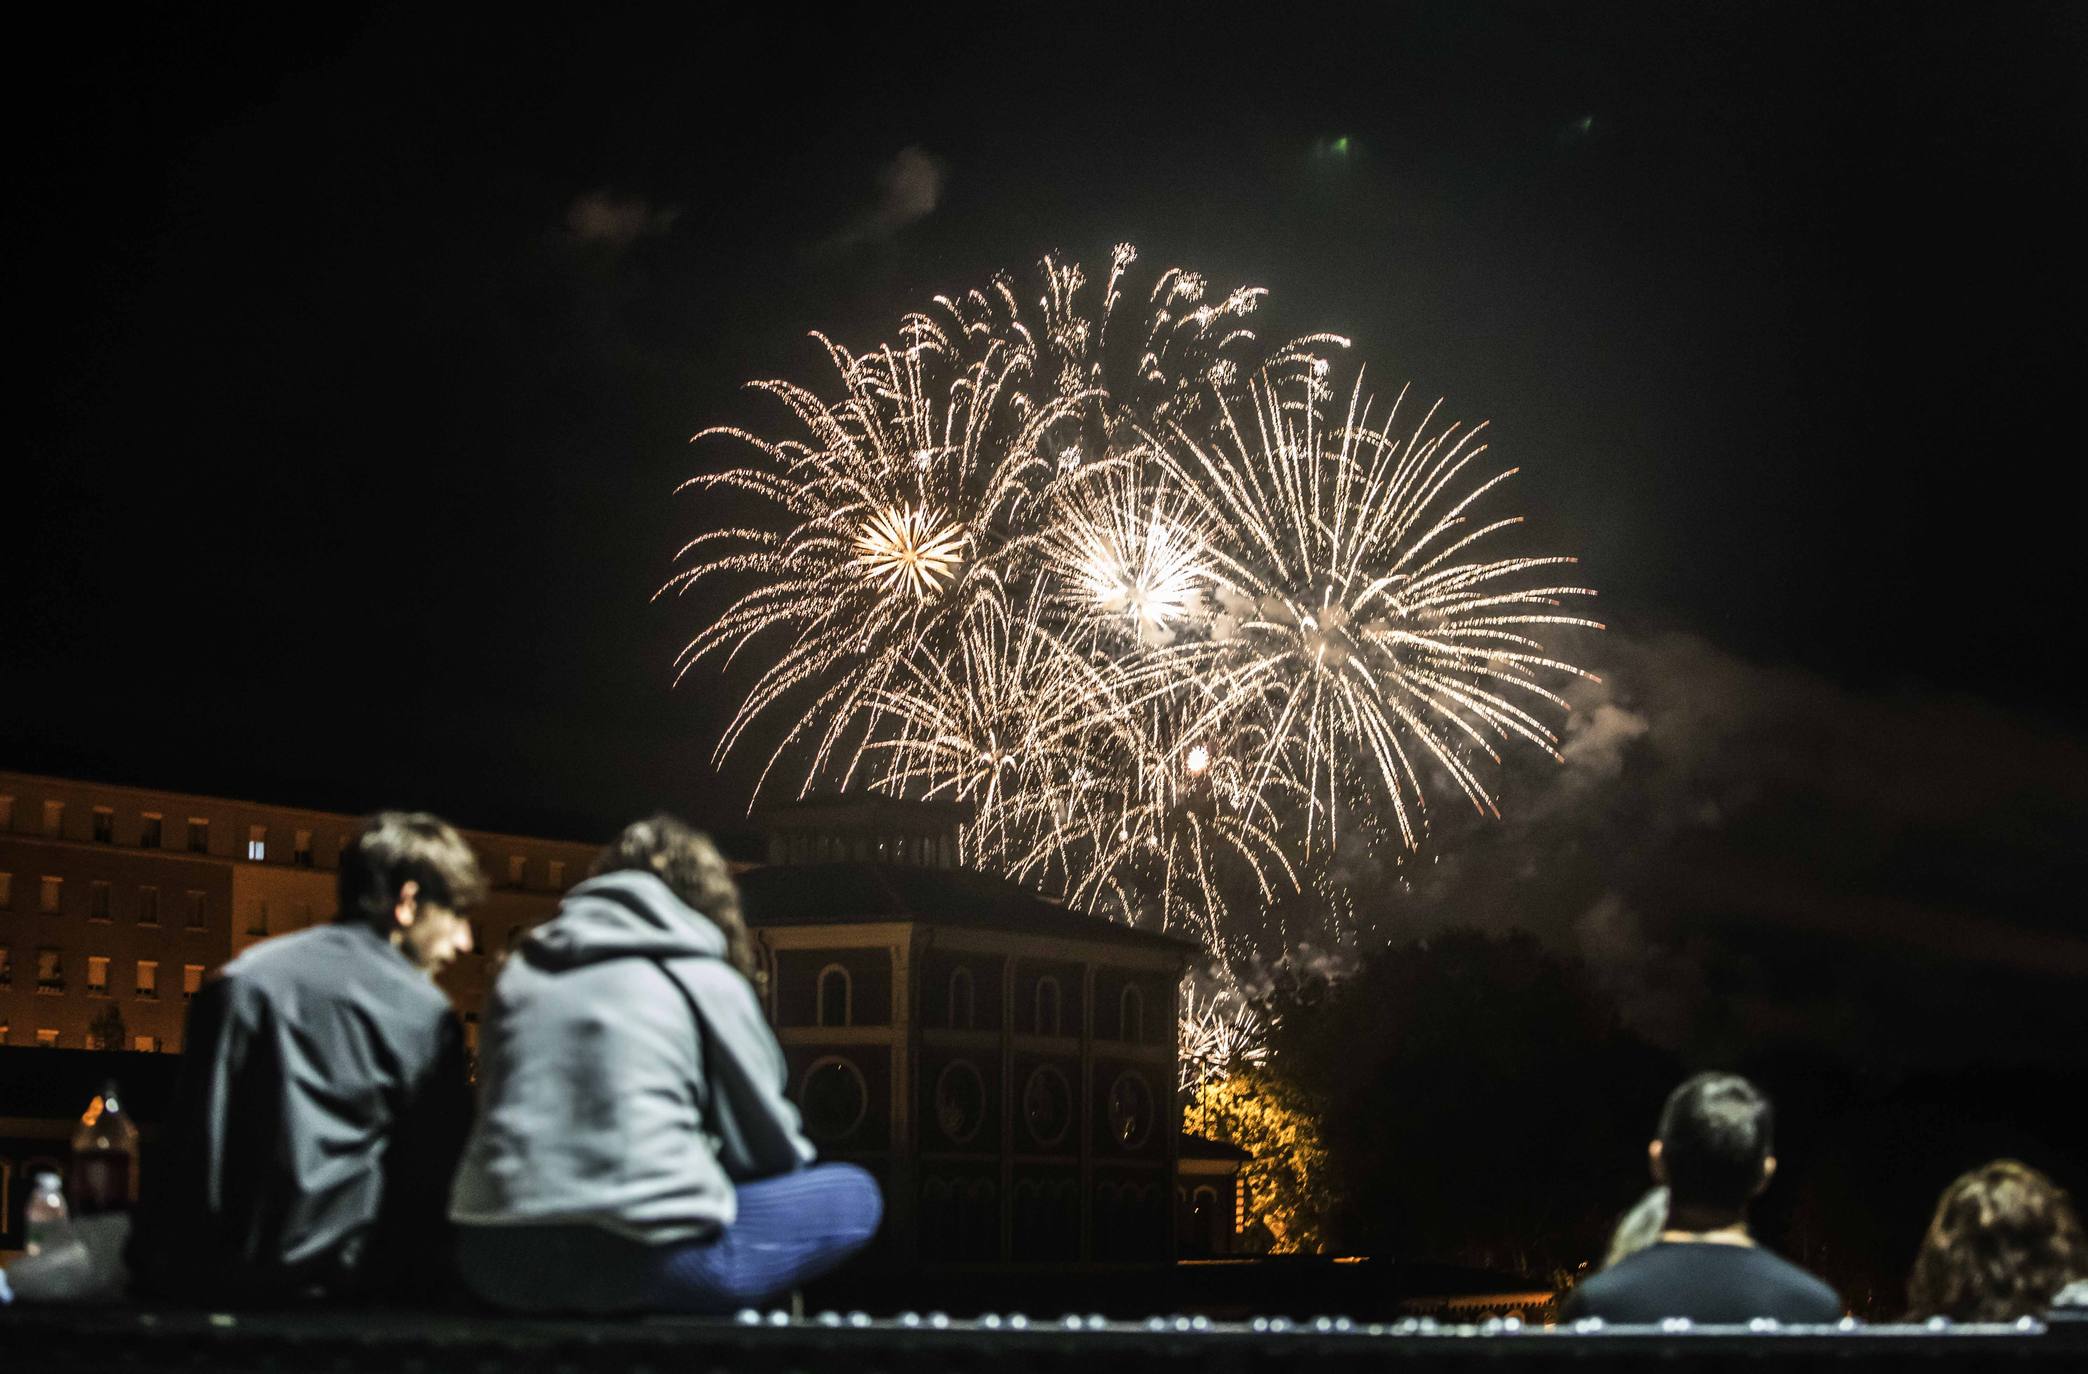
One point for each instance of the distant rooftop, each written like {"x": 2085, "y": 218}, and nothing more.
{"x": 840, "y": 892}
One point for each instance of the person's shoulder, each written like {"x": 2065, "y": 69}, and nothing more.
{"x": 1801, "y": 1283}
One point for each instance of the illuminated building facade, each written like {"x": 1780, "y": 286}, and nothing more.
{"x": 1006, "y": 1067}
{"x": 124, "y": 899}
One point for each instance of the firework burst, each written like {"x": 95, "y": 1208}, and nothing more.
{"x": 1137, "y": 587}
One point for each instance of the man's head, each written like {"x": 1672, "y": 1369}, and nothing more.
{"x": 1716, "y": 1149}
{"x": 411, "y": 877}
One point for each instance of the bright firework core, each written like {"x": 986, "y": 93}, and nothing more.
{"x": 911, "y": 549}
{"x": 1164, "y": 660}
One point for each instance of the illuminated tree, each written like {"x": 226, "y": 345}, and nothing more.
{"x": 1286, "y": 1181}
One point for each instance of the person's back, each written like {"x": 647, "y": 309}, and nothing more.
{"x": 1714, "y": 1153}
{"x": 322, "y": 1101}
{"x": 1706, "y": 1283}
{"x": 634, "y": 1148}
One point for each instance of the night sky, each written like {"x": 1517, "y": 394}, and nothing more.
{"x": 356, "y": 359}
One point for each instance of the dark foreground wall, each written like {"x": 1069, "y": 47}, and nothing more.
{"x": 58, "y": 1342}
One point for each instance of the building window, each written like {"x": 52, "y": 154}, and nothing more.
{"x": 149, "y": 830}
{"x": 191, "y": 979}
{"x": 557, "y": 868}
{"x": 1047, "y": 1009}
{"x": 836, "y": 997}
{"x": 145, "y": 1044}
{"x": 104, "y": 825}
{"x": 960, "y": 1102}
{"x": 54, "y": 818}
{"x": 6, "y": 813}
{"x": 518, "y": 867}
{"x": 97, "y": 975}
{"x": 50, "y": 970}
{"x": 195, "y": 909}
{"x": 1130, "y": 1110}
{"x": 47, "y": 1037}
{"x": 53, "y": 895}
{"x": 6, "y": 891}
{"x": 6, "y": 969}
{"x": 834, "y": 1098}
{"x": 148, "y": 906}
{"x": 148, "y": 978}
{"x": 97, "y": 900}
{"x": 962, "y": 1002}
{"x": 1131, "y": 1014}
{"x": 198, "y": 835}
{"x": 257, "y": 843}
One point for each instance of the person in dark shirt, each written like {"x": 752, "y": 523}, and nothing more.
{"x": 323, "y": 1099}
{"x": 1715, "y": 1154}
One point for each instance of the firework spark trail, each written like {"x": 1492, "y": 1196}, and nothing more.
{"x": 1137, "y": 589}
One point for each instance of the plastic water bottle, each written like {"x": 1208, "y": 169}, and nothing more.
{"x": 104, "y": 1157}
{"x": 45, "y": 1213}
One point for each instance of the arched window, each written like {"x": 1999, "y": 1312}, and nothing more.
{"x": 1131, "y": 1014}
{"x": 836, "y": 997}
{"x": 1047, "y": 1011}
{"x": 961, "y": 1000}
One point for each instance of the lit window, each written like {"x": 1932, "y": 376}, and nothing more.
{"x": 198, "y": 835}
{"x": 104, "y": 825}
{"x": 148, "y": 906}
{"x": 557, "y": 868}
{"x": 191, "y": 979}
{"x": 54, "y": 818}
{"x": 6, "y": 891}
{"x": 53, "y": 895}
{"x": 149, "y": 830}
{"x": 195, "y": 909}
{"x": 145, "y": 1044}
{"x": 97, "y": 975}
{"x": 97, "y": 900}
{"x": 1047, "y": 1009}
{"x": 836, "y": 997}
{"x": 257, "y": 842}
{"x": 301, "y": 849}
{"x": 46, "y": 1037}
{"x": 148, "y": 978}
{"x": 517, "y": 867}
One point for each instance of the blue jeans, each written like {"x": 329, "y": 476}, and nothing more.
{"x": 790, "y": 1228}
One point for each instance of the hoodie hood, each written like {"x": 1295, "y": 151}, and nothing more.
{"x": 623, "y": 915}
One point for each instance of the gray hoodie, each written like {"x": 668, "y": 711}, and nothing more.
{"x": 626, "y": 1075}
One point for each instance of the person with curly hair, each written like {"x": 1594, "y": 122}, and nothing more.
{"x": 635, "y": 1150}
{"x": 2004, "y": 1241}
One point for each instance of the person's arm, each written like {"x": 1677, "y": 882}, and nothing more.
{"x": 428, "y": 1133}
{"x": 756, "y": 1126}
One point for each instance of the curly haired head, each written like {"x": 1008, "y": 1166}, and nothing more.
{"x": 694, "y": 870}
{"x": 2004, "y": 1240}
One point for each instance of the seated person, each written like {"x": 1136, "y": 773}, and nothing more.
{"x": 1715, "y": 1154}
{"x": 323, "y": 1101}
{"x": 634, "y": 1149}
{"x": 2005, "y": 1241}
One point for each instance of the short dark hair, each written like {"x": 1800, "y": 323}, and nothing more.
{"x": 1716, "y": 1132}
{"x": 394, "y": 848}
{"x": 2005, "y": 1239}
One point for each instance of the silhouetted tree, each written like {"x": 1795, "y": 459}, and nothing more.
{"x": 1482, "y": 1105}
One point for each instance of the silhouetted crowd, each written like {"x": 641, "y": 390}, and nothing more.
{"x": 633, "y": 1147}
